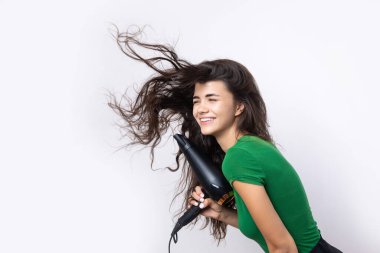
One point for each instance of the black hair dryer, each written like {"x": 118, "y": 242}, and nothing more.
{"x": 212, "y": 180}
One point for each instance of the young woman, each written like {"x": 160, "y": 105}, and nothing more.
{"x": 218, "y": 106}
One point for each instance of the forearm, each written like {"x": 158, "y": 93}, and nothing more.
{"x": 229, "y": 216}
{"x": 285, "y": 250}
{"x": 288, "y": 246}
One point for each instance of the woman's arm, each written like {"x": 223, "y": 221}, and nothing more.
{"x": 266, "y": 218}
{"x": 229, "y": 216}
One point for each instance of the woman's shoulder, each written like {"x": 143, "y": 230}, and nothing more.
{"x": 252, "y": 142}
{"x": 252, "y": 147}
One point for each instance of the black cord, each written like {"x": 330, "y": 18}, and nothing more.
{"x": 175, "y": 239}
{"x": 187, "y": 217}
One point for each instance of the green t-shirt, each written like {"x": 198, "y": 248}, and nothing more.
{"x": 256, "y": 161}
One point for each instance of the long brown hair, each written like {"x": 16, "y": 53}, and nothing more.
{"x": 166, "y": 99}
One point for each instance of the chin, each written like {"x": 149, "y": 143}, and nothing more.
{"x": 207, "y": 132}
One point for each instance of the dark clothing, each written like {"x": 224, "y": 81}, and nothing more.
{"x": 324, "y": 247}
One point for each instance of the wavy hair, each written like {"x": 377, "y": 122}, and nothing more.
{"x": 166, "y": 99}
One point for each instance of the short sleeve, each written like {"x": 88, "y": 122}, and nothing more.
{"x": 241, "y": 165}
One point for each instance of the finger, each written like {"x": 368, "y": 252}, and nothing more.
{"x": 190, "y": 200}
{"x": 190, "y": 205}
{"x": 205, "y": 203}
{"x": 198, "y": 190}
{"x": 193, "y": 202}
{"x": 195, "y": 196}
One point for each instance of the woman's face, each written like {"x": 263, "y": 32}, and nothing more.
{"x": 214, "y": 108}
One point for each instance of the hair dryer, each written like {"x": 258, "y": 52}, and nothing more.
{"x": 211, "y": 179}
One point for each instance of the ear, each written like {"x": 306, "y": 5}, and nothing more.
{"x": 239, "y": 109}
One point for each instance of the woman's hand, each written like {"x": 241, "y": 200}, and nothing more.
{"x": 211, "y": 208}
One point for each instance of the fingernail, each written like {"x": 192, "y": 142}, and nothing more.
{"x": 202, "y": 205}
{"x": 188, "y": 206}
{"x": 202, "y": 195}
{"x": 196, "y": 204}
{"x": 202, "y": 199}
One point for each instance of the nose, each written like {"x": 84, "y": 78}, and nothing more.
{"x": 202, "y": 108}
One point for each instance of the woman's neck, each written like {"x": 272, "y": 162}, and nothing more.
{"x": 228, "y": 139}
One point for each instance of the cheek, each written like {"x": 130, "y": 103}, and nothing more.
{"x": 195, "y": 114}
{"x": 227, "y": 112}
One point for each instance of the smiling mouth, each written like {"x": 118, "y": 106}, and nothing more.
{"x": 205, "y": 121}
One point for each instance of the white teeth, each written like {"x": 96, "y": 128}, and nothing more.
{"x": 206, "y": 119}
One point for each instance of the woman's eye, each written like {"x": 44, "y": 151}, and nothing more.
{"x": 211, "y": 100}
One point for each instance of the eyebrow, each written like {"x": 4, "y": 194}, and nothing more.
{"x": 207, "y": 95}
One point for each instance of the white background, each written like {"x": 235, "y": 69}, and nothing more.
{"x": 63, "y": 186}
